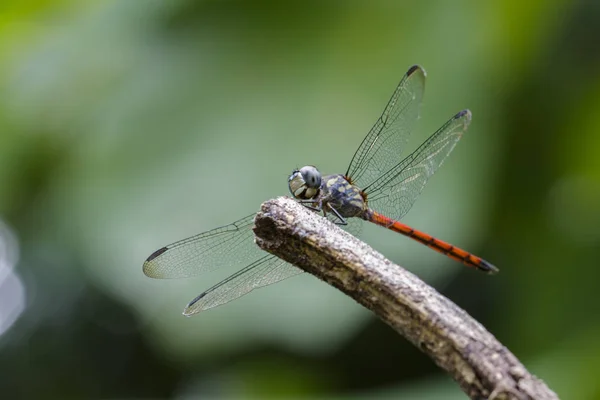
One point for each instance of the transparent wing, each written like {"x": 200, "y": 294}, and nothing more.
{"x": 264, "y": 271}
{"x": 380, "y": 150}
{"x": 394, "y": 193}
{"x": 227, "y": 245}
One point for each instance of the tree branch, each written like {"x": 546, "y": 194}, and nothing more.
{"x": 482, "y": 366}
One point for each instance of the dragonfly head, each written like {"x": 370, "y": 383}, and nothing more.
{"x": 304, "y": 183}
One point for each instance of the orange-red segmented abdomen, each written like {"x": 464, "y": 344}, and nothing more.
{"x": 438, "y": 245}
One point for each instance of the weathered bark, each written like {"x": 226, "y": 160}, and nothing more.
{"x": 481, "y": 365}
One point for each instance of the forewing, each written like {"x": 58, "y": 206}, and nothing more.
{"x": 380, "y": 150}
{"x": 227, "y": 245}
{"x": 394, "y": 193}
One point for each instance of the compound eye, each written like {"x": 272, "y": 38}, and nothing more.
{"x": 293, "y": 175}
{"x": 311, "y": 176}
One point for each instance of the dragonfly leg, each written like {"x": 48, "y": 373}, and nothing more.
{"x": 316, "y": 205}
{"x": 341, "y": 220}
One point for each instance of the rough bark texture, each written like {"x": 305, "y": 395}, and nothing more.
{"x": 481, "y": 365}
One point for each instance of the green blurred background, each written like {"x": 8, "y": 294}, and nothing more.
{"x": 126, "y": 125}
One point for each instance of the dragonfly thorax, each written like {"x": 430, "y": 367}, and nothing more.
{"x": 338, "y": 193}
{"x": 305, "y": 183}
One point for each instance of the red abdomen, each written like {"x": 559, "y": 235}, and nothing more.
{"x": 438, "y": 245}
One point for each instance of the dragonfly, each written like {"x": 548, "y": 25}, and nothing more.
{"x": 377, "y": 187}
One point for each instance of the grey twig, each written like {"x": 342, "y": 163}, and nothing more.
{"x": 481, "y": 365}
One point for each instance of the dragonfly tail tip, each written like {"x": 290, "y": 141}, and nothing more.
{"x": 487, "y": 267}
